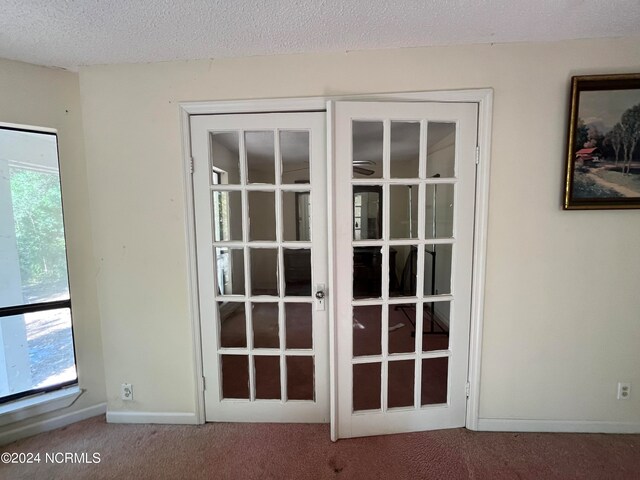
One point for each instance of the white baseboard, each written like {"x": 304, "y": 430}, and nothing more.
{"x": 11, "y": 435}
{"x": 177, "y": 418}
{"x": 566, "y": 426}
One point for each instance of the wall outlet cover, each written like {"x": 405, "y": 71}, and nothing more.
{"x": 126, "y": 392}
{"x": 624, "y": 390}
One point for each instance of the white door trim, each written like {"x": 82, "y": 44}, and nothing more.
{"x": 484, "y": 99}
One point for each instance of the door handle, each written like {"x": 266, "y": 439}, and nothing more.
{"x": 320, "y": 294}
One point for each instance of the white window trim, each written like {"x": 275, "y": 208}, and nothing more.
{"x": 35, "y": 405}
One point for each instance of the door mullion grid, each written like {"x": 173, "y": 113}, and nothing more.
{"x": 263, "y": 244}
{"x": 278, "y": 157}
{"x": 300, "y": 353}
{"x": 418, "y": 351}
{"x": 417, "y": 377}
{"x": 386, "y": 149}
{"x": 436, "y": 354}
{"x": 377, "y": 301}
{"x": 391, "y": 243}
{"x": 386, "y": 174}
{"x": 385, "y": 342}
{"x": 391, "y": 181}
{"x": 249, "y": 329}
{"x": 283, "y": 377}
{"x": 400, "y": 242}
{"x": 452, "y": 345}
{"x": 422, "y": 154}
{"x": 217, "y": 407}
{"x": 216, "y": 317}
{"x": 252, "y": 187}
{"x": 242, "y": 154}
{"x": 281, "y": 279}
{"x": 262, "y": 299}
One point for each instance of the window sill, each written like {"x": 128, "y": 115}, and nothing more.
{"x": 38, "y": 404}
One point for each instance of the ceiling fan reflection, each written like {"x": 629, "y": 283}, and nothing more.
{"x": 357, "y": 168}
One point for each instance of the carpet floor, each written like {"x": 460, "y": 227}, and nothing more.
{"x": 300, "y": 451}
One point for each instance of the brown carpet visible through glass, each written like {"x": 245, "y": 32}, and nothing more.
{"x": 367, "y": 335}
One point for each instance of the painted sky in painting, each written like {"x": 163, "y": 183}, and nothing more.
{"x": 603, "y": 109}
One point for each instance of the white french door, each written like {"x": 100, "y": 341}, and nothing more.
{"x": 403, "y": 193}
{"x": 259, "y": 183}
{"x": 404, "y": 183}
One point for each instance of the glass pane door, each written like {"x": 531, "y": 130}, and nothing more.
{"x": 404, "y": 183}
{"x": 260, "y": 193}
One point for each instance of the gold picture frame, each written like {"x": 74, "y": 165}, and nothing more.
{"x": 603, "y": 148}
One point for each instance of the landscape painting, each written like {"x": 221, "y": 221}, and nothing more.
{"x": 603, "y": 154}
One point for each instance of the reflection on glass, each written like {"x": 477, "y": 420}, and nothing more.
{"x": 367, "y": 272}
{"x": 300, "y": 378}
{"x": 230, "y": 271}
{"x": 294, "y": 150}
{"x": 297, "y": 271}
{"x": 403, "y": 206}
{"x": 437, "y": 269}
{"x": 441, "y": 149}
{"x": 267, "y": 370}
{"x": 296, "y": 216}
{"x": 367, "y": 330}
{"x": 227, "y": 216}
{"x": 402, "y": 328}
{"x": 264, "y": 317}
{"x": 225, "y": 158}
{"x": 262, "y": 216}
{"x": 366, "y": 386}
{"x": 437, "y": 320}
{"x": 367, "y": 149}
{"x": 299, "y": 325}
{"x": 435, "y": 374}
{"x": 439, "y": 211}
{"x": 264, "y": 271}
{"x": 367, "y": 212}
{"x": 233, "y": 325}
{"x": 405, "y": 149}
{"x": 403, "y": 270}
{"x": 235, "y": 376}
{"x": 33, "y": 263}
{"x": 400, "y": 390}
{"x": 260, "y": 157}
{"x": 38, "y": 350}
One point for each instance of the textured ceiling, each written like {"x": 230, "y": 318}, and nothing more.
{"x": 72, "y": 33}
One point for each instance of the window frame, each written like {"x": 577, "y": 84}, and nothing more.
{"x": 24, "y": 308}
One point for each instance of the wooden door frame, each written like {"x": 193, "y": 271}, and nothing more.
{"x": 482, "y": 97}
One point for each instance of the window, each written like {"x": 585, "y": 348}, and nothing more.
{"x": 367, "y": 212}
{"x": 222, "y": 231}
{"x": 303, "y": 216}
{"x": 36, "y": 338}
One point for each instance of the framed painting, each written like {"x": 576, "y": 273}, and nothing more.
{"x": 603, "y": 149}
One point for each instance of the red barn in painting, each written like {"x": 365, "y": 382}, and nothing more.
{"x": 586, "y": 156}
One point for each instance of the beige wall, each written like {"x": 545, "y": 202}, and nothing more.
{"x": 38, "y": 96}
{"x": 562, "y": 303}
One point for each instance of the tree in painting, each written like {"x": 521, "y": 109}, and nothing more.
{"x": 631, "y": 134}
{"x": 614, "y": 139}
{"x": 607, "y": 145}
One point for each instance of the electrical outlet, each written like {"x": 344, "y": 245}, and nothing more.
{"x": 624, "y": 390}
{"x": 126, "y": 391}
